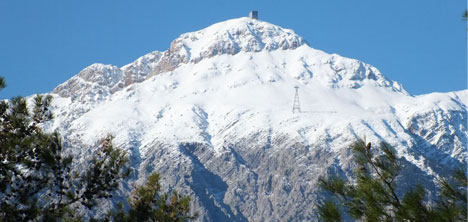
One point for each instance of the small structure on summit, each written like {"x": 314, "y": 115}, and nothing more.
{"x": 253, "y": 14}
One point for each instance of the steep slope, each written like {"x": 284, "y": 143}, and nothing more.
{"x": 213, "y": 115}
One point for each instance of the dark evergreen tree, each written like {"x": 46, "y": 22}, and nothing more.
{"x": 37, "y": 180}
{"x": 453, "y": 204}
{"x": 2, "y": 83}
{"x": 372, "y": 196}
{"x": 149, "y": 204}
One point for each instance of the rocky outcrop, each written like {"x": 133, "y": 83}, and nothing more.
{"x": 213, "y": 115}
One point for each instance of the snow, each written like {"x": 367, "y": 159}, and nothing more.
{"x": 235, "y": 35}
{"x": 236, "y": 80}
{"x": 196, "y": 101}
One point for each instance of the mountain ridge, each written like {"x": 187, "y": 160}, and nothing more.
{"x": 221, "y": 128}
{"x": 252, "y": 36}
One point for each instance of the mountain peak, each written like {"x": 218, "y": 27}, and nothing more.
{"x": 234, "y": 36}
{"x": 215, "y": 108}
{"x": 274, "y": 50}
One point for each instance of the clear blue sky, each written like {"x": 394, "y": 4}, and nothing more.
{"x": 421, "y": 44}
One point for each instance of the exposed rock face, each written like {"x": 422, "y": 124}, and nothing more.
{"x": 230, "y": 37}
{"x": 139, "y": 70}
{"x": 213, "y": 115}
{"x": 95, "y": 80}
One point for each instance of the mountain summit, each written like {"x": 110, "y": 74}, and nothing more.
{"x": 234, "y": 36}
{"x": 229, "y": 37}
{"x": 242, "y": 35}
{"x": 213, "y": 114}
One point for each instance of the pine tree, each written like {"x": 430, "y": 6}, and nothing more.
{"x": 453, "y": 204}
{"x": 148, "y": 204}
{"x": 37, "y": 180}
{"x": 2, "y": 83}
{"x": 372, "y": 197}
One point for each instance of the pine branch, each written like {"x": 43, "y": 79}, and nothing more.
{"x": 382, "y": 178}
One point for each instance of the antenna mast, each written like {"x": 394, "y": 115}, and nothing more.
{"x": 296, "y": 106}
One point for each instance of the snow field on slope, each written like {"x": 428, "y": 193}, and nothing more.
{"x": 199, "y": 99}
{"x": 242, "y": 94}
{"x": 239, "y": 105}
{"x": 241, "y": 34}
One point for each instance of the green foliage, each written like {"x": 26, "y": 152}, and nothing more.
{"x": 147, "y": 204}
{"x": 453, "y": 203}
{"x": 106, "y": 170}
{"x": 26, "y": 158}
{"x": 413, "y": 207}
{"x": 2, "y": 83}
{"x": 329, "y": 211}
{"x": 37, "y": 180}
{"x": 372, "y": 196}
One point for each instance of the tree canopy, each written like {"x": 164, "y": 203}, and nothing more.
{"x": 372, "y": 196}
{"x": 40, "y": 181}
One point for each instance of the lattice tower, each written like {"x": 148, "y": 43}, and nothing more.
{"x": 296, "y": 105}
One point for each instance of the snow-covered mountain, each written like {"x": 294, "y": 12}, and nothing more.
{"x": 213, "y": 114}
